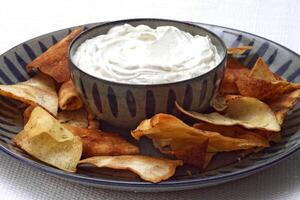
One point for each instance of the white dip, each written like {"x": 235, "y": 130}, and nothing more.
{"x": 142, "y": 55}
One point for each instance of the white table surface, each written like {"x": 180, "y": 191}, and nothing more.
{"x": 277, "y": 20}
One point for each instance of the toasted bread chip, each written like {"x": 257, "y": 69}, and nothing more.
{"x": 147, "y": 168}
{"x": 54, "y": 61}
{"x": 39, "y": 90}
{"x": 234, "y": 70}
{"x": 170, "y": 128}
{"x": 262, "y": 71}
{"x": 263, "y": 84}
{"x": 167, "y": 127}
{"x": 98, "y": 143}
{"x": 283, "y": 104}
{"x": 219, "y": 103}
{"x": 76, "y": 118}
{"x": 264, "y": 90}
{"x": 238, "y": 50}
{"x": 261, "y": 138}
{"x": 46, "y": 139}
{"x": 68, "y": 97}
{"x": 244, "y": 111}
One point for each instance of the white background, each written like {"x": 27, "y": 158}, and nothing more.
{"x": 277, "y": 20}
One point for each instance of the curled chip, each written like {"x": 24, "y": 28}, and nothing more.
{"x": 234, "y": 70}
{"x": 68, "y": 97}
{"x": 263, "y": 90}
{"x": 76, "y": 118}
{"x": 54, "y": 61}
{"x": 244, "y": 111}
{"x": 264, "y": 85}
{"x": 219, "y": 103}
{"x": 147, "y": 168}
{"x": 283, "y": 104}
{"x": 261, "y": 138}
{"x": 46, "y": 139}
{"x": 262, "y": 71}
{"x": 238, "y": 50}
{"x": 171, "y": 130}
{"x": 99, "y": 143}
{"x": 39, "y": 90}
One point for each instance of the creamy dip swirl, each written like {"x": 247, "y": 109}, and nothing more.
{"x": 142, "y": 55}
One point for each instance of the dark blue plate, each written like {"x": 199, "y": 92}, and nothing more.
{"x": 224, "y": 168}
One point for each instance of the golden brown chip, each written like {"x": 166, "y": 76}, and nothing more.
{"x": 262, "y": 71}
{"x": 99, "y": 143}
{"x": 234, "y": 70}
{"x": 39, "y": 90}
{"x": 263, "y": 84}
{"x": 264, "y": 90}
{"x": 244, "y": 111}
{"x": 54, "y": 61}
{"x": 76, "y": 118}
{"x": 46, "y": 139}
{"x": 147, "y": 168}
{"x": 219, "y": 103}
{"x": 239, "y": 50}
{"x": 170, "y": 128}
{"x": 283, "y": 104}
{"x": 261, "y": 138}
{"x": 68, "y": 97}
{"x": 164, "y": 126}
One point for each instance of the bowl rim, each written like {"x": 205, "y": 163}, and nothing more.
{"x": 221, "y": 64}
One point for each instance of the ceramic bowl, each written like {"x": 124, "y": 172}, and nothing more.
{"x": 126, "y": 105}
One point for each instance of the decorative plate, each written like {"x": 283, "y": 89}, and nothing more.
{"x": 224, "y": 168}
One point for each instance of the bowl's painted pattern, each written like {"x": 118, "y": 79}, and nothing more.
{"x": 282, "y": 60}
{"x": 126, "y": 105}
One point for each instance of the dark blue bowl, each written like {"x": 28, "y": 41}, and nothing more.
{"x": 126, "y": 105}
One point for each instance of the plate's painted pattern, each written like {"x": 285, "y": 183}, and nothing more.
{"x": 282, "y": 61}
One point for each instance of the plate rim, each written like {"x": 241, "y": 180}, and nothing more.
{"x": 146, "y": 186}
